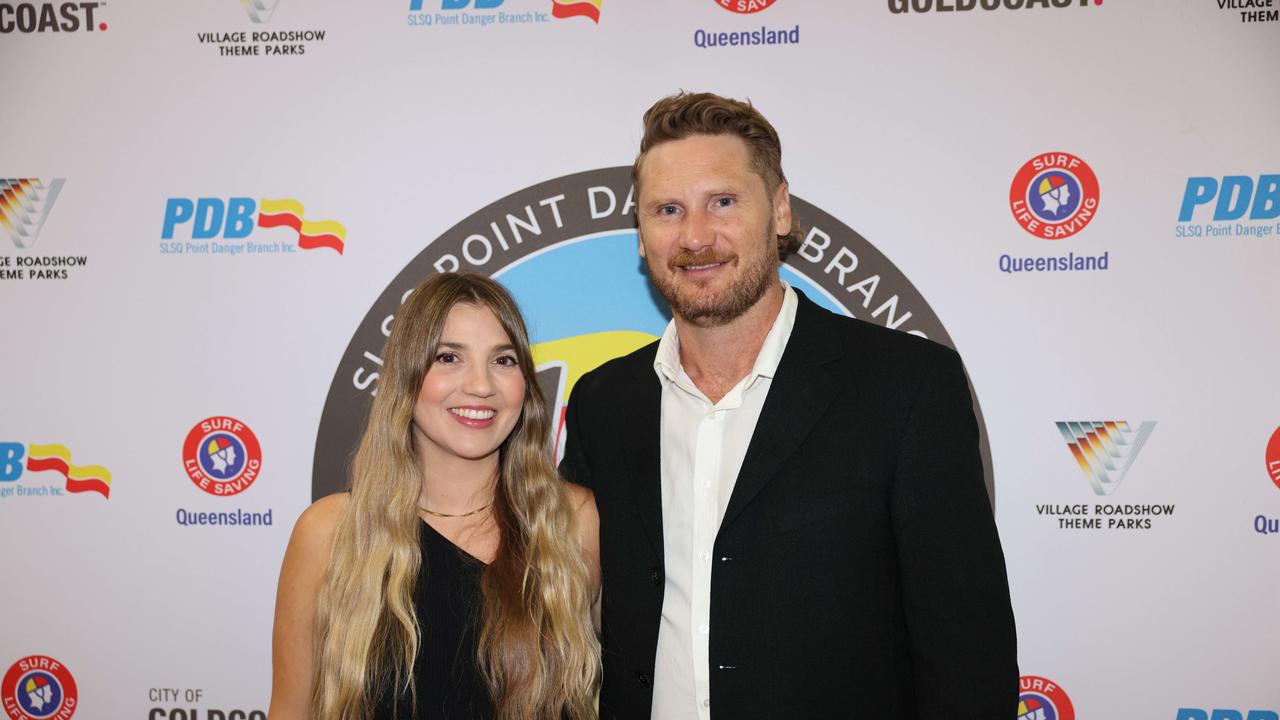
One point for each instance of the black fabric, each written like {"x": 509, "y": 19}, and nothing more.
{"x": 857, "y": 571}
{"x": 446, "y": 674}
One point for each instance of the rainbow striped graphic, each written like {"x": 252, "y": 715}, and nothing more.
{"x": 577, "y": 8}
{"x": 1104, "y": 449}
{"x": 24, "y": 206}
{"x": 311, "y": 235}
{"x": 80, "y": 478}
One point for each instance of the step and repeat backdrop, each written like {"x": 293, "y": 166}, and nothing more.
{"x": 211, "y": 212}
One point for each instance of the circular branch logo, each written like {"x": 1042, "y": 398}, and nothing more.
{"x": 38, "y": 687}
{"x": 221, "y": 456}
{"x": 566, "y": 249}
{"x": 1054, "y": 195}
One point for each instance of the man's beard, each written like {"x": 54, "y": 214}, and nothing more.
{"x": 711, "y": 310}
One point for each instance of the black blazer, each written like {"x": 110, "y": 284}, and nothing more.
{"x": 857, "y": 572}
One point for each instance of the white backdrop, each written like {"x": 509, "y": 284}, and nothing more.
{"x": 907, "y": 127}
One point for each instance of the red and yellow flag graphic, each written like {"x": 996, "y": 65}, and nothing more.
{"x": 80, "y": 478}
{"x": 575, "y": 8}
{"x": 311, "y": 235}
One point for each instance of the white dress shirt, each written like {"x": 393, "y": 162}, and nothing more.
{"x": 703, "y": 444}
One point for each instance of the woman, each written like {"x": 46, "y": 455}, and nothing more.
{"x": 456, "y": 579}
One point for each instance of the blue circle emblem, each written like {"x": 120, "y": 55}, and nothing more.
{"x": 222, "y": 456}
{"x": 1054, "y": 196}
{"x": 39, "y": 694}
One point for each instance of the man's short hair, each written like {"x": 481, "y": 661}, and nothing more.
{"x": 685, "y": 114}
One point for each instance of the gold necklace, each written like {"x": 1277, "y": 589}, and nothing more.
{"x": 477, "y": 511}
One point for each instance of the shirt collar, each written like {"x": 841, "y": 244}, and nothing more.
{"x": 667, "y": 361}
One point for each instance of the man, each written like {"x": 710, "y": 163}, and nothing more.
{"x": 793, "y": 518}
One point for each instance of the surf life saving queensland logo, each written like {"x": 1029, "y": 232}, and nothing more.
{"x": 20, "y": 463}
{"x": 1042, "y": 699}
{"x": 1264, "y": 524}
{"x": 567, "y": 250}
{"x": 1104, "y": 451}
{"x": 218, "y": 226}
{"x": 1054, "y": 196}
{"x": 38, "y": 687}
{"x": 748, "y": 31}
{"x": 222, "y": 457}
{"x": 253, "y": 38}
{"x": 25, "y": 206}
{"x": 490, "y": 13}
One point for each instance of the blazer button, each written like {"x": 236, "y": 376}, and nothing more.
{"x": 642, "y": 678}
{"x": 656, "y": 576}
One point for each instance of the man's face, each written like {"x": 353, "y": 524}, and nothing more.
{"x": 709, "y": 227}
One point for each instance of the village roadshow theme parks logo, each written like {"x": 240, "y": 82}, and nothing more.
{"x": 253, "y": 41}
{"x": 25, "y": 205}
{"x": 1104, "y": 451}
{"x": 566, "y": 249}
{"x": 1250, "y": 11}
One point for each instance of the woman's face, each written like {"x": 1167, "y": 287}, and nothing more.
{"x": 473, "y": 391}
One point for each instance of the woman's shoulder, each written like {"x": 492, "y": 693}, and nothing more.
{"x": 581, "y": 499}
{"x": 317, "y": 524}
{"x": 585, "y": 515}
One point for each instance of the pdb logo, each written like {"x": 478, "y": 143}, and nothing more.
{"x": 1221, "y": 714}
{"x": 222, "y": 456}
{"x": 234, "y": 219}
{"x": 1236, "y": 195}
{"x": 415, "y": 5}
{"x": 38, "y": 687}
{"x": 15, "y": 458}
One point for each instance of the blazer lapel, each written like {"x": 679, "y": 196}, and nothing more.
{"x": 801, "y": 390}
{"x": 642, "y": 438}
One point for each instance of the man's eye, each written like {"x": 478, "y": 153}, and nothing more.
{"x": 724, "y": 202}
{"x": 668, "y": 210}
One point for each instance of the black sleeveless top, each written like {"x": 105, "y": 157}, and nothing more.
{"x": 446, "y": 675}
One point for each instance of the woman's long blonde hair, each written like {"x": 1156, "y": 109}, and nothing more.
{"x": 537, "y": 651}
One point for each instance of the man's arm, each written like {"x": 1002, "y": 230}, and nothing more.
{"x": 573, "y": 467}
{"x": 955, "y": 591}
